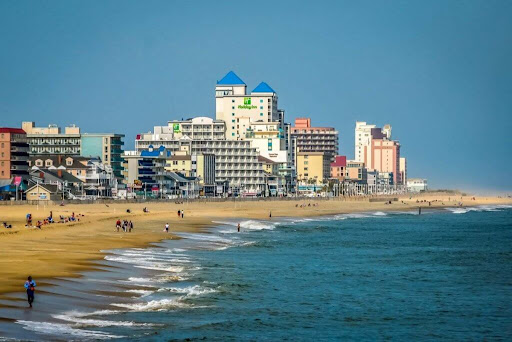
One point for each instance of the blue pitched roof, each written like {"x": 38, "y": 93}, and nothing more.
{"x": 263, "y": 88}
{"x": 231, "y": 79}
{"x": 154, "y": 153}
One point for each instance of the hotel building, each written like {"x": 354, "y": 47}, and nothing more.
{"x": 13, "y": 153}
{"x": 236, "y": 161}
{"x": 238, "y": 109}
{"x": 51, "y": 141}
{"x": 314, "y": 139}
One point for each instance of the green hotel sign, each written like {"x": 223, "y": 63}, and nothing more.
{"x": 247, "y": 104}
{"x": 176, "y": 128}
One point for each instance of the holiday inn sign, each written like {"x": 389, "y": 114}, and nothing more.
{"x": 247, "y": 104}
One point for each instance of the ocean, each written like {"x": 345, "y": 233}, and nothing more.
{"x": 443, "y": 275}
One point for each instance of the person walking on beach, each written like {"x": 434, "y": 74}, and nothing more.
{"x": 179, "y": 213}
{"x": 130, "y": 226}
{"x": 30, "y": 285}
{"x": 167, "y": 228}
{"x": 182, "y": 213}
{"x": 118, "y": 225}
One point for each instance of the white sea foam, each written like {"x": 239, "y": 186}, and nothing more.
{"x": 60, "y": 329}
{"x": 379, "y": 213}
{"x": 155, "y": 305}
{"x": 480, "y": 208}
{"x": 142, "y": 293}
{"x": 79, "y": 321}
{"x": 195, "y": 290}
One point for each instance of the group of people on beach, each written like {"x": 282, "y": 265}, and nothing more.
{"x": 125, "y": 225}
{"x": 304, "y": 205}
{"x": 49, "y": 220}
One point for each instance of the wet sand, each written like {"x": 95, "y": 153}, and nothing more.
{"x": 66, "y": 250}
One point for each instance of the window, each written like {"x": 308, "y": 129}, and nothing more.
{"x": 232, "y": 127}
{"x": 2, "y": 145}
{"x": 261, "y": 114}
{"x": 261, "y": 101}
{"x": 233, "y": 114}
{"x": 2, "y": 163}
{"x": 261, "y": 107}
{"x": 233, "y": 107}
{"x": 233, "y": 134}
{"x": 233, "y": 101}
{"x": 2, "y": 173}
{"x": 233, "y": 120}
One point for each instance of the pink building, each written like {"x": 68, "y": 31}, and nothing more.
{"x": 386, "y": 157}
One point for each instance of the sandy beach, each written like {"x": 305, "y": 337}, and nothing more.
{"x": 66, "y": 249}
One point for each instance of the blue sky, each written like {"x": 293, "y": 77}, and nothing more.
{"x": 440, "y": 72}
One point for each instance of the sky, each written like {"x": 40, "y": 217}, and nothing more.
{"x": 440, "y": 72}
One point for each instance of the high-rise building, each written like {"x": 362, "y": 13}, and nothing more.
{"x": 13, "y": 153}
{"x": 403, "y": 170}
{"x": 238, "y": 109}
{"x": 51, "y": 141}
{"x": 364, "y": 134}
{"x": 108, "y": 147}
{"x": 386, "y": 157}
{"x": 314, "y": 139}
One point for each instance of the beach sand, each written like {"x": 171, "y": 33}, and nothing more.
{"x": 65, "y": 250}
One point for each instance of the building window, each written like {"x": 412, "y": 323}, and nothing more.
{"x": 261, "y": 107}
{"x": 261, "y": 101}
{"x": 261, "y": 114}
{"x": 233, "y": 134}
{"x": 233, "y": 120}
{"x": 233, "y": 107}
{"x": 233, "y": 101}
{"x": 233, "y": 114}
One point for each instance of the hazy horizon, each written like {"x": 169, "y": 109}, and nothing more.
{"x": 438, "y": 72}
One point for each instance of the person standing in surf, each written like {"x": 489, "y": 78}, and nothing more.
{"x": 30, "y": 285}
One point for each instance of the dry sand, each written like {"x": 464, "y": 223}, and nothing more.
{"x": 63, "y": 250}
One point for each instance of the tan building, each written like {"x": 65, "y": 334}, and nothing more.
{"x": 403, "y": 170}
{"x": 180, "y": 163}
{"x": 355, "y": 170}
{"x": 13, "y": 153}
{"x": 339, "y": 168}
{"x": 313, "y": 167}
{"x": 51, "y": 140}
{"x": 43, "y": 192}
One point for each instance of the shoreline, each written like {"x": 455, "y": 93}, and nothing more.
{"x": 65, "y": 250}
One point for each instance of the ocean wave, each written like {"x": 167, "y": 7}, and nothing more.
{"x": 79, "y": 321}
{"x": 480, "y": 208}
{"x": 61, "y": 329}
{"x": 249, "y": 225}
{"x": 195, "y": 290}
{"x": 155, "y": 305}
{"x": 142, "y": 293}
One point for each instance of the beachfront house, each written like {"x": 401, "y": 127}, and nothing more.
{"x": 43, "y": 192}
